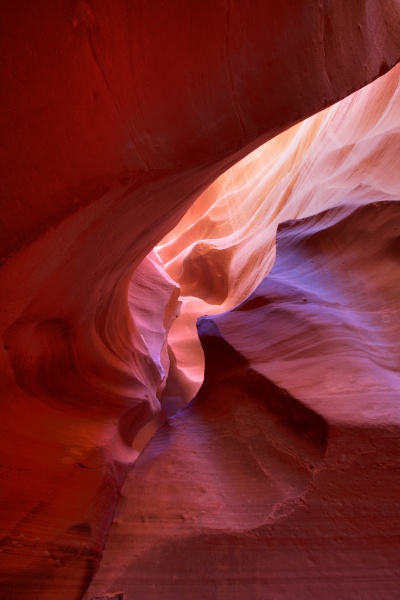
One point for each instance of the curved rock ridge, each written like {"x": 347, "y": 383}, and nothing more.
{"x": 225, "y": 245}
{"x": 144, "y": 101}
{"x": 346, "y": 153}
{"x": 112, "y": 125}
{"x": 281, "y": 478}
{"x": 327, "y": 315}
{"x": 67, "y": 437}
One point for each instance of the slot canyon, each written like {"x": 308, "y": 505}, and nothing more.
{"x": 200, "y": 300}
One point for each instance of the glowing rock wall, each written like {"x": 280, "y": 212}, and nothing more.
{"x": 115, "y": 117}
{"x": 280, "y": 478}
{"x": 225, "y": 244}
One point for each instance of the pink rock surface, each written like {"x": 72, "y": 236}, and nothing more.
{"x": 226, "y": 241}
{"x": 281, "y": 478}
{"x": 112, "y": 124}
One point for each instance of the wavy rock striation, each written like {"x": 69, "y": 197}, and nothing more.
{"x": 281, "y": 477}
{"x": 112, "y": 125}
{"x": 345, "y": 154}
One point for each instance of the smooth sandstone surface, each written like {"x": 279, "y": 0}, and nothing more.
{"x": 300, "y": 401}
{"x": 115, "y": 117}
{"x": 347, "y": 153}
{"x": 280, "y": 479}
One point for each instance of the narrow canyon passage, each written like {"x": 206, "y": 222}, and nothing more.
{"x": 283, "y": 472}
{"x": 163, "y": 162}
{"x": 225, "y": 245}
{"x": 255, "y": 488}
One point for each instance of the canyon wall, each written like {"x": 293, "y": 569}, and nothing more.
{"x": 225, "y": 244}
{"x": 280, "y": 479}
{"x": 115, "y": 118}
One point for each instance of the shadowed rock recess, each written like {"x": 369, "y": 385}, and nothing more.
{"x": 282, "y": 474}
{"x": 226, "y": 163}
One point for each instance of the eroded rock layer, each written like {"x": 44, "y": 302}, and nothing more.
{"x": 281, "y": 478}
{"x": 225, "y": 245}
{"x": 116, "y": 116}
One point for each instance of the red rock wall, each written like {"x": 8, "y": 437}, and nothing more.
{"x": 280, "y": 479}
{"x": 225, "y": 244}
{"x": 115, "y": 117}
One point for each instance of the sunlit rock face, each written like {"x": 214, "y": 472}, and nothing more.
{"x": 112, "y": 125}
{"x": 281, "y": 478}
{"x": 225, "y": 244}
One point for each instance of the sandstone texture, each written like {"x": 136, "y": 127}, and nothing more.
{"x": 346, "y": 154}
{"x": 116, "y": 117}
{"x": 280, "y": 479}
